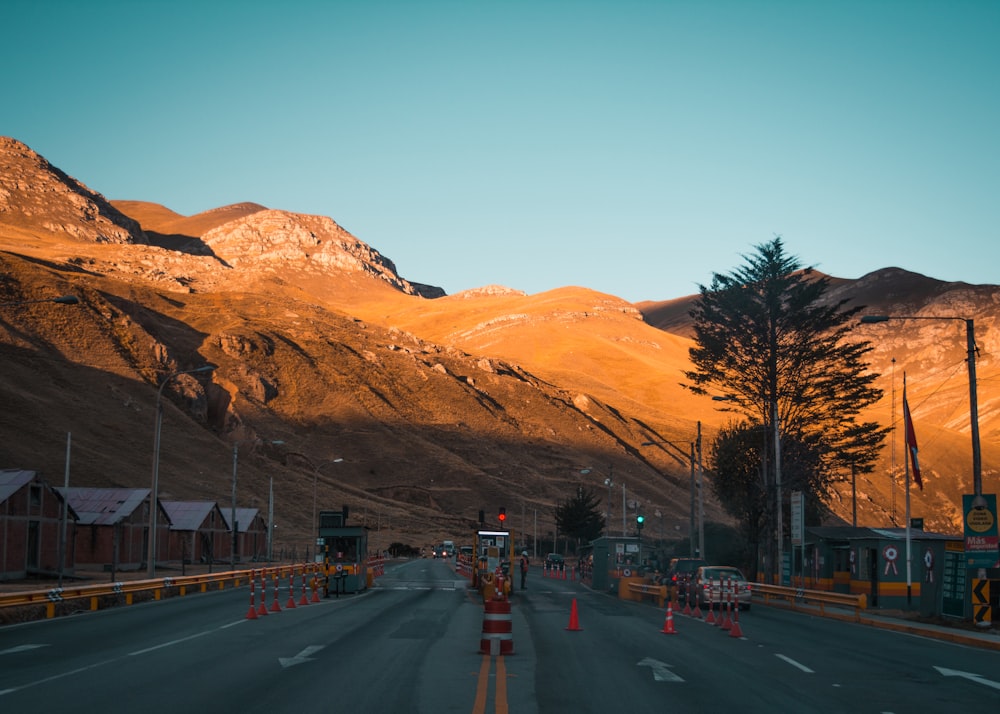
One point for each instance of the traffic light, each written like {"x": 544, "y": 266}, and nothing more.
{"x": 482, "y": 517}
{"x": 639, "y": 520}
{"x": 502, "y": 516}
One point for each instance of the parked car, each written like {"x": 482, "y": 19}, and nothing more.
{"x": 717, "y": 583}
{"x": 679, "y": 574}
{"x": 554, "y": 561}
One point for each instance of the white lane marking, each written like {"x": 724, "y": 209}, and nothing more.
{"x": 54, "y": 677}
{"x": 21, "y": 648}
{"x": 661, "y": 673}
{"x": 794, "y": 663}
{"x": 171, "y": 643}
{"x": 979, "y": 679}
{"x": 303, "y": 656}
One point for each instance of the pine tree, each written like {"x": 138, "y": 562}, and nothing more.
{"x": 771, "y": 342}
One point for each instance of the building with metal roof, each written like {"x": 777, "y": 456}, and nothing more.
{"x": 114, "y": 526}
{"x": 31, "y": 524}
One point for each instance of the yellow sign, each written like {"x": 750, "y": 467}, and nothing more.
{"x": 979, "y": 520}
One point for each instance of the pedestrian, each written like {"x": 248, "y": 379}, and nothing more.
{"x": 524, "y": 569}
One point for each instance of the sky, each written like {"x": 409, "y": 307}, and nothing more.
{"x": 635, "y": 147}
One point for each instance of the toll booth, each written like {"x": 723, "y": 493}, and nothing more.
{"x": 343, "y": 551}
{"x": 614, "y": 558}
{"x": 494, "y": 549}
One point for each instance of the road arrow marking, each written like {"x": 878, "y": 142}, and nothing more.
{"x": 21, "y": 648}
{"x": 968, "y": 675}
{"x": 303, "y": 656}
{"x": 661, "y": 673}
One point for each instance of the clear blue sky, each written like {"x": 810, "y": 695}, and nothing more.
{"x": 627, "y": 146}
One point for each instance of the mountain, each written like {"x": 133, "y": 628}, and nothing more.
{"x": 439, "y": 405}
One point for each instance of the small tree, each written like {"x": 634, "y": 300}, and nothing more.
{"x": 580, "y": 517}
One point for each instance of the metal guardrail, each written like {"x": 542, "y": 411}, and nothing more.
{"x": 800, "y": 598}
{"x": 658, "y": 592}
{"x": 124, "y": 592}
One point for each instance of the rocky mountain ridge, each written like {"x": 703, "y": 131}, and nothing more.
{"x": 438, "y": 405}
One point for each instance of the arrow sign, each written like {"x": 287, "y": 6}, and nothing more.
{"x": 661, "y": 673}
{"x": 968, "y": 675}
{"x": 303, "y": 656}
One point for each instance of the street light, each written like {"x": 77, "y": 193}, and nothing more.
{"x": 234, "y": 527}
{"x": 153, "y": 495}
{"x": 694, "y": 461}
{"x": 315, "y": 533}
{"x": 970, "y": 342}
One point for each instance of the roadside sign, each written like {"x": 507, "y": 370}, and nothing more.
{"x": 982, "y": 543}
{"x": 798, "y": 517}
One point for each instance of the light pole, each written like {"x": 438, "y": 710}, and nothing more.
{"x": 153, "y": 493}
{"x": 315, "y": 533}
{"x": 970, "y": 342}
{"x": 234, "y": 525}
{"x": 697, "y": 503}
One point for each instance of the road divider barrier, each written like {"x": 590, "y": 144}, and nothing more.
{"x": 252, "y": 614}
{"x": 637, "y": 588}
{"x": 28, "y": 605}
{"x": 498, "y": 636}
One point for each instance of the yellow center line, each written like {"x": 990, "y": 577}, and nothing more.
{"x": 501, "y": 698}
{"x": 482, "y": 686}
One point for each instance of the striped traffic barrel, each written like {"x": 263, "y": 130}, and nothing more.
{"x": 498, "y": 637}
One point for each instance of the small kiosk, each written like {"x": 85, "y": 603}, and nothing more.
{"x": 343, "y": 551}
{"x": 494, "y": 550}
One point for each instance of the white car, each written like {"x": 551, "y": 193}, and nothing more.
{"x": 715, "y": 584}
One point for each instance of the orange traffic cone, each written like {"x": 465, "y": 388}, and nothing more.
{"x": 668, "y": 625}
{"x": 735, "y": 630}
{"x": 574, "y": 618}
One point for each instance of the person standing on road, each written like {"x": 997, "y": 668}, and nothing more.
{"x": 524, "y": 569}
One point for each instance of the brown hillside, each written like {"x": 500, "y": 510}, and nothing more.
{"x": 439, "y": 407}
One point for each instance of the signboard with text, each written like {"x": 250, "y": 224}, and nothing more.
{"x": 982, "y": 543}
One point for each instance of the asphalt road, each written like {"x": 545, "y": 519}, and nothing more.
{"x": 411, "y": 644}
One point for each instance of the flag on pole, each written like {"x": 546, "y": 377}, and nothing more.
{"x": 911, "y": 440}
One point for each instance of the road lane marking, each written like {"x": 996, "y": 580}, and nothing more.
{"x": 794, "y": 663}
{"x": 979, "y": 679}
{"x": 661, "y": 671}
{"x": 482, "y": 686}
{"x": 303, "y": 656}
{"x": 501, "y": 687}
{"x": 500, "y": 705}
{"x": 171, "y": 643}
{"x": 54, "y": 677}
{"x": 21, "y": 648}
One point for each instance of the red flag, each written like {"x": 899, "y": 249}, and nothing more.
{"x": 911, "y": 441}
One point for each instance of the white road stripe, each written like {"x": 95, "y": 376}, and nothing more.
{"x": 794, "y": 663}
